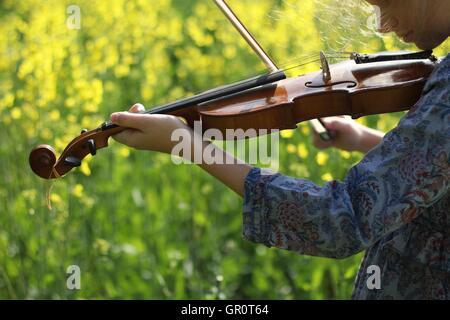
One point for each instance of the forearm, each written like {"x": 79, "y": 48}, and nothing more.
{"x": 229, "y": 170}
{"x": 232, "y": 171}
{"x": 369, "y": 139}
{"x": 232, "y": 174}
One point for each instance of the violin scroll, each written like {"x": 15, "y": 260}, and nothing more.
{"x": 42, "y": 160}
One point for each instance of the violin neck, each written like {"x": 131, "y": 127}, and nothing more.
{"x": 210, "y": 95}
{"x": 219, "y": 92}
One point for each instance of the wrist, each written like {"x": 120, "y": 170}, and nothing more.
{"x": 185, "y": 143}
{"x": 178, "y": 134}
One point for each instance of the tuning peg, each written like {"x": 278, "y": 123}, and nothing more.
{"x": 83, "y": 131}
{"x": 72, "y": 161}
{"x": 91, "y": 146}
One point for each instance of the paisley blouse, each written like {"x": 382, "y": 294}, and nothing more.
{"x": 395, "y": 204}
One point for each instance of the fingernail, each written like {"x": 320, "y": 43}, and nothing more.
{"x": 115, "y": 116}
{"x": 140, "y": 107}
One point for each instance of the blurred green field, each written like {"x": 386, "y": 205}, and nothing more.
{"x": 138, "y": 226}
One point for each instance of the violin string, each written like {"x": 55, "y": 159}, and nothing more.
{"x": 164, "y": 107}
{"x": 298, "y": 65}
{"x": 303, "y": 60}
{"x": 307, "y": 59}
{"x": 298, "y": 59}
{"x": 312, "y": 58}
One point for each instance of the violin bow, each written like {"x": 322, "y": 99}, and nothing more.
{"x": 316, "y": 124}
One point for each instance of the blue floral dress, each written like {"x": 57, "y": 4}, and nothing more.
{"x": 395, "y": 204}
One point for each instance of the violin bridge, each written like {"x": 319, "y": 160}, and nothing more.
{"x": 326, "y": 74}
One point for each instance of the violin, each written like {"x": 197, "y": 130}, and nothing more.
{"x": 360, "y": 86}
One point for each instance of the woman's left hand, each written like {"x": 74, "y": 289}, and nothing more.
{"x": 147, "y": 131}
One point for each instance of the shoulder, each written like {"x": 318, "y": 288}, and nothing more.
{"x": 426, "y": 125}
{"x": 435, "y": 99}
{"x": 437, "y": 87}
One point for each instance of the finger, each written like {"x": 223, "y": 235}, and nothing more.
{"x": 130, "y": 120}
{"x": 136, "y": 108}
{"x": 319, "y": 143}
{"x": 336, "y": 123}
{"x": 328, "y": 123}
{"x": 127, "y": 137}
{"x": 331, "y": 119}
{"x": 334, "y": 118}
{"x": 333, "y": 125}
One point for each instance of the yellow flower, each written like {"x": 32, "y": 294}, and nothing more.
{"x": 55, "y": 198}
{"x": 60, "y": 144}
{"x": 302, "y": 151}
{"x": 71, "y": 118}
{"x": 54, "y": 115}
{"x": 361, "y": 121}
{"x": 229, "y": 52}
{"x": 46, "y": 134}
{"x": 346, "y": 154}
{"x": 146, "y": 92}
{"x": 16, "y": 113}
{"x": 8, "y": 100}
{"x": 90, "y": 107}
{"x": 77, "y": 191}
{"x": 70, "y": 102}
{"x": 121, "y": 70}
{"x": 291, "y": 148}
{"x": 84, "y": 168}
{"x": 321, "y": 158}
{"x": 327, "y": 177}
{"x": 287, "y": 133}
{"x": 124, "y": 152}
{"x": 305, "y": 129}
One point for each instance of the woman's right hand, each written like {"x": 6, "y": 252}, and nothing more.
{"x": 348, "y": 135}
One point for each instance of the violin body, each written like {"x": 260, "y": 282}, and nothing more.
{"x": 353, "y": 89}
{"x": 345, "y": 88}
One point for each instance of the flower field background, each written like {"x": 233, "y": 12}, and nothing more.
{"x": 137, "y": 225}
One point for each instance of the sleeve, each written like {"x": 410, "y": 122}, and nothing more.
{"x": 406, "y": 173}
